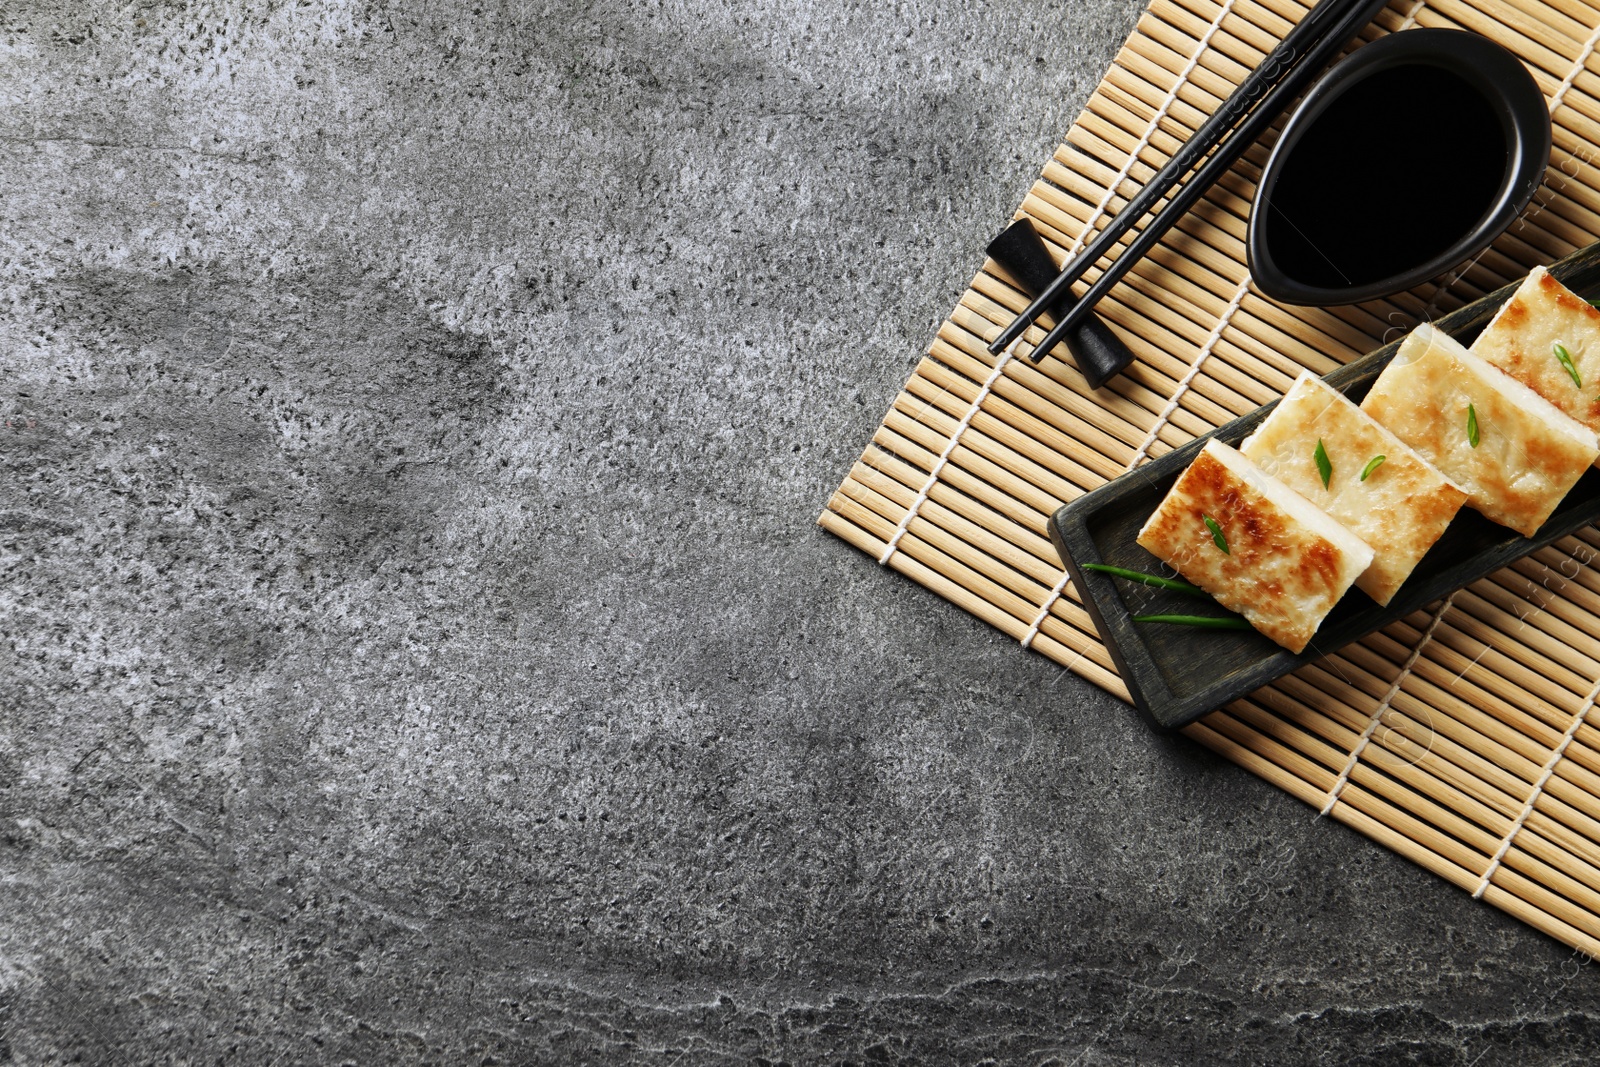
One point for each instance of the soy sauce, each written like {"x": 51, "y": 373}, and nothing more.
{"x": 1395, "y": 171}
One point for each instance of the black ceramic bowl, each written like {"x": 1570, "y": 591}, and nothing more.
{"x": 1331, "y": 225}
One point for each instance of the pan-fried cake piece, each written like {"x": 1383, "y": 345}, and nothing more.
{"x": 1513, "y": 451}
{"x": 1522, "y": 337}
{"x": 1400, "y": 507}
{"x": 1274, "y": 557}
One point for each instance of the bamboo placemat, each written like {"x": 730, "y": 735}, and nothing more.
{"x": 1455, "y": 737}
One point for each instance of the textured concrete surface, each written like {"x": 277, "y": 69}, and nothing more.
{"x": 417, "y": 646}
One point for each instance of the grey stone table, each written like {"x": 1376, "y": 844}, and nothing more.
{"x": 417, "y": 644}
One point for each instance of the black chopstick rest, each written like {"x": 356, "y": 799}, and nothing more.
{"x": 1099, "y": 353}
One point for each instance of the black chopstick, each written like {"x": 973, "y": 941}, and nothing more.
{"x": 1253, "y": 127}
{"x": 1303, "y": 52}
{"x": 1305, "y": 35}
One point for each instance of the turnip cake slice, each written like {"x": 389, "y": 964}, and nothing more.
{"x": 1513, "y": 451}
{"x": 1255, "y": 545}
{"x": 1548, "y": 338}
{"x": 1318, "y": 443}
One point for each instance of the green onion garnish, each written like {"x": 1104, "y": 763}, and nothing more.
{"x": 1472, "y": 426}
{"x": 1216, "y": 534}
{"x": 1324, "y": 467}
{"x": 1566, "y": 361}
{"x": 1148, "y": 579}
{"x": 1204, "y": 622}
{"x": 1372, "y": 464}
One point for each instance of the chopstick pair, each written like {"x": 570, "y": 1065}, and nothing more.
{"x": 1243, "y": 117}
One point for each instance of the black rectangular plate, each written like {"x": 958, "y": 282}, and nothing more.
{"x": 1176, "y": 674}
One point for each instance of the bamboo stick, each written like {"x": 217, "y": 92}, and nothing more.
{"x": 895, "y": 482}
{"x": 967, "y": 470}
{"x": 1193, "y": 259}
{"x": 1462, "y": 764}
{"x": 1007, "y": 588}
{"x": 1017, "y": 427}
{"x": 1343, "y": 333}
{"x": 1234, "y": 228}
{"x": 1423, "y": 838}
{"x": 1252, "y": 760}
{"x": 1408, "y": 823}
{"x": 1432, "y": 688}
{"x": 980, "y": 322}
{"x": 1181, "y": 130}
{"x": 1492, "y": 803}
{"x": 944, "y": 531}
{"x": 998, "y": 605}
{"x": 1110, "y": 455}
{"x": 1018, "y": 454}
{"x": 840, "y": 523}
{"x": 1566, "y": 17}
{"x": 1479, "y": 825}
{"x": 1099, "y": 426}
{"x": 969, "y": 497}
{"x": 1461, "y": 657}
{"x": 1129, "y": 412}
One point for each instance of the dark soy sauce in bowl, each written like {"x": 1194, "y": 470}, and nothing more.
{"x": 1413, "y": 157}
{"x": 1404, "y": 160}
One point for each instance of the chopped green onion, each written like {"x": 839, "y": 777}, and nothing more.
{"x": 1472, "y": 426}
{"x": 1204, "y": 622}
{"x": 1372, "y": 464}
{"x": 1216, "y": 534}
{"x": 1148, "y": 579}
{"x": 1566, "y": 361}
{"x": 1324, "y": 467}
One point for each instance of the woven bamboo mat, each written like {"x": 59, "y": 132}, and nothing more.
{"x": 1455, "y": 737}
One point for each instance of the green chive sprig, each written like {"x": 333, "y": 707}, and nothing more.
{"x": 1472, "y": 426}
{"x": 1565, "y": 358}
{"x": 1216, "y": 534}
{"x": 1372, "y": 464}
{"x": 1155, "y": 580}
{"x": 1324, "y": 466}
{"x": 1203, "y": 622}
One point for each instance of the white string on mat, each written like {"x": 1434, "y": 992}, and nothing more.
{"x": 1044, "y": 609}
{"x": 1383, "y": 706}
{"x": 944, "y": 457}
{"x": 1411, "y": 16}
{"x": 1194, "y": 371}
{"x": 1538, "y": 787}
{"x": 1578, "y": 66}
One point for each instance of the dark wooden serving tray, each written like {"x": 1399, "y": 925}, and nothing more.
{"x": 1176, "y": 674}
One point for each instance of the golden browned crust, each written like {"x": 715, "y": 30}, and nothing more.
{"x": 1277, "y": 573}
{"x": 1521, "y": 341}
{"x": 1529, "y": 454}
